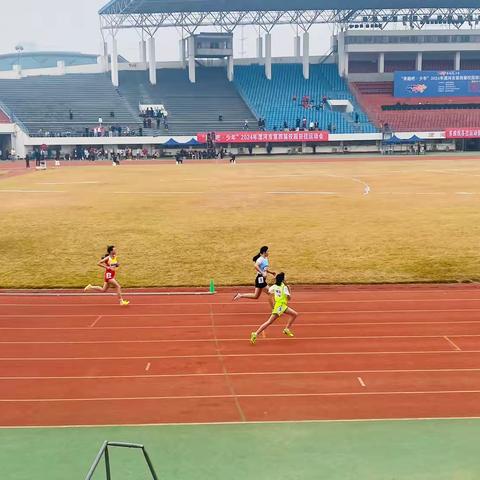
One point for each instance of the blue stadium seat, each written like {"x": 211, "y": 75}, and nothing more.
{"x": 273, "y": 99}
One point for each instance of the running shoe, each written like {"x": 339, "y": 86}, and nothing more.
{"x": 124, "y": 303}
{"x": 253, "y": 338}
{"x": 87, "y": 288}
{"x": 288, "y": 332}
{"x": 236, "y": 297}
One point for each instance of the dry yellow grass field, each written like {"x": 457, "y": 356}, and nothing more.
{"x": 344, "y": 222}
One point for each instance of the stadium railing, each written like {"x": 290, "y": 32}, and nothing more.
{"x": 9, "y": 112}
{"x": 104, "y": 453}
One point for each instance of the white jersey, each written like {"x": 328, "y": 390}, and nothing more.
{"x": 262, "y": 263}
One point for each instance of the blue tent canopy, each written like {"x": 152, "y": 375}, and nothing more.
{"x": 192, "y": 143}
{"x": 172, "y": 143}
{"x": 399, "y": 141}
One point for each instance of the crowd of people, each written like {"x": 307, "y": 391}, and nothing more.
{"x": 8, "y": 154}
{"x": 155, "y": 116}
{"x": 97, "y": 131}
{"x": 308, "y": 103}
{"x": 101, "y": 153}
{"x": 208, "y": 154}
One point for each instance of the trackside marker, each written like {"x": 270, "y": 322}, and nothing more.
{"x": 361, "y": 382}
{"x": 147, "y": 368}
{"x": 452, "y": 343}
{"x": 96, "y": 321}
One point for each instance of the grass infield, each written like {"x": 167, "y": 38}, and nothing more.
{"x": 344, "y": 222}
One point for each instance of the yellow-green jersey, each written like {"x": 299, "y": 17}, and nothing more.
{"x": 280, "y": 294}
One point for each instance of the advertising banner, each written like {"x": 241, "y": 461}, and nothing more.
{"x": 461, "y": 83}
{"x": 265, "y": 137}
{"x": 452, "y": 133}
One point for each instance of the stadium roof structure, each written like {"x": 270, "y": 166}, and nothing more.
{"x": 150, "y": 15}
{"x": 33, "y": 60}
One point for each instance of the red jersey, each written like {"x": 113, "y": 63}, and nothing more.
{"x": 110, "y": 272}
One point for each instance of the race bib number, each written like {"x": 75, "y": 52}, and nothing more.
{"x": 109, "y": 276}
{"x": 261, "y": 280}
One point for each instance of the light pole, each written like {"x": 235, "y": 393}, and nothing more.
{"x": 19, "y": 49}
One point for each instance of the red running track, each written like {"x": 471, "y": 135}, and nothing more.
{"x": 359, "y": 353}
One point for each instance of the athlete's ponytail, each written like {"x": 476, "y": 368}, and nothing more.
{"x": 263, "y": 250}
{"x": 110, "y": 249}
{"x": 279, "y": 279}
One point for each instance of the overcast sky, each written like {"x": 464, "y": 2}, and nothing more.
{"x": 73, "y": 25}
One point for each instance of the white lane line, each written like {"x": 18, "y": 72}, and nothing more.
{"x": 325, "y": 290}
{"x": 147, "y": 368}
{"x": 68, "y": 183}
{"x": 96, "y": 321}
{"x": 167, "y": 193}
{"x": 241, "y": 339}
{"x": 412, "y": 193}
{"x": 265, "y": 395}
{"x": 361, "y": 382}
{"x": 297, "y": 302}
{"x": 303, "y": 193}
{"x": 325, "y": 312}
{"x": 240, "y": 374}
{"x": 241, "y": 355}
{"x": 248, "y": 422}
{"x": 452, "y": 343}
{"x": 36, "y": 294}
{"x": 244, "y": 325}
{"x": 33, "y": 191}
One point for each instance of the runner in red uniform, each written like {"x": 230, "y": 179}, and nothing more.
{"x": 110, "y": 263}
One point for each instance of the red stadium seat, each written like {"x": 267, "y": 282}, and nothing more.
{"x": 372, "y": 96}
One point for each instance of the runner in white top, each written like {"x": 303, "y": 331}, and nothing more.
{"x": 261, "y": 264}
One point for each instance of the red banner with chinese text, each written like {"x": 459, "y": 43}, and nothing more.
{"x": 266, "y": 137}
{"x": 452, "y": 133}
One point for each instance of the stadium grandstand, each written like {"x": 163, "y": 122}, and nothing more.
{"x": 349, "y": 93}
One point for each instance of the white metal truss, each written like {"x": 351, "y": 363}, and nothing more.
{"x": 266, "y": 20}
